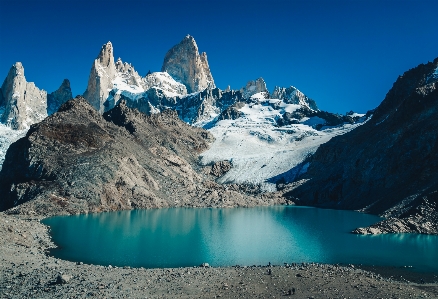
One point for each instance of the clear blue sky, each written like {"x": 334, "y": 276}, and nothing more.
{"x": 343, "y": 54}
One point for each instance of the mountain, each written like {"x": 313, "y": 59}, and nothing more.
{"x": 59, "y": 97}
{"x": 184, "y": 63}
{"x": 286, "y": 125}
{"x": 78, "y": 160}
{"x": 103, "y": 72}
{"x": 388, "y": 166}
{"x": 186, "y": 85}
{"x": 22, "y": 103}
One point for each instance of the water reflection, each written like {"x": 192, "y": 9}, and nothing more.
{"x": 223, "y": 237}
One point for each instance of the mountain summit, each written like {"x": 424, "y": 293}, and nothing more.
{"x": 184, "y": 63}
{"x": 21, "y": 102}
{"x": 102, "y": 74}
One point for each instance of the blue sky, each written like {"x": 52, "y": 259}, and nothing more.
{"x": 343, "y": 54}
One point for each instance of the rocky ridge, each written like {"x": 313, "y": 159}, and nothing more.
{"x": 79, "y": 161}
{"x": 185, "y": 84}
{"x": 389, "y": 165}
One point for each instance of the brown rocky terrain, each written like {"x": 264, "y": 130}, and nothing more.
{"x": 389, "y": 165}
{"x": 79, "y": 161}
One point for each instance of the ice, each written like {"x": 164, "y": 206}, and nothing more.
{"x": 357, "y": 114}
{"x": 262, "y": 153}
{"x": 120, "y": 83}
{"x": 7, "y": 137}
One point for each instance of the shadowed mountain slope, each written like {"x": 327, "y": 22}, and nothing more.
{"x": 388, "y": 166}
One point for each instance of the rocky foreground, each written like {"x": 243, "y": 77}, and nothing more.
{"x": 27, "y": 272}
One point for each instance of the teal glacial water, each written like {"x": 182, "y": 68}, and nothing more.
{"x": 181, "y": 237}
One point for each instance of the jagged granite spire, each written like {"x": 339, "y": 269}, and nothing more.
{"x": 103, "y": 72}
{"x": 184, "y": 63}
{"x": 22, "y": 103}
{"x": 59, "y": 97}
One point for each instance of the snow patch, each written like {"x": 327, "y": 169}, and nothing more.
{"x": 7, "y": 137}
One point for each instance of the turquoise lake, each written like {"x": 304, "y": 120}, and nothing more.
{"x": 180, "y": 237}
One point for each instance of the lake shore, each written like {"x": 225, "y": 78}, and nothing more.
{"x": 27, "y": 271}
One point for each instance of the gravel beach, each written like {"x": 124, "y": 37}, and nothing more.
{"x": 26, "y": 271}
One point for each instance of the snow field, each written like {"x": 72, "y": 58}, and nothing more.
{"x": 262, "y": 153}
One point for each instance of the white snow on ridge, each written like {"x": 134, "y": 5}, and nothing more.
{"x": 128, "y": 86}
{"x": 357, "y": 114}
{"x": 7, "y": 137}
{"x": 259, "y": 151}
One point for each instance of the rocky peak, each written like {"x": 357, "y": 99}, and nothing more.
{"x": 23, "y": 103}
{"x": 184, "y": 63}
{"x": 291, "y": 95}
{"x": 253, "y": 87}
{"x": 103, "y": 72}
{"x": 122, "y": 67}
{"x": 59, "y": 97}
{"x": 106, "y": 55}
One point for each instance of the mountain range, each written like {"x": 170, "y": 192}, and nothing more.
{"x": 234, "y": 147}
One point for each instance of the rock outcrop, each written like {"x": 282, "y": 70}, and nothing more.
{"x": 22, "y": 102}
{"x": 102, "y": 74}
{"x": 79, "y": 161}
{"x": 291, "y": 95}
{"x": 184, "y": 63}
{"x": 415, "y": 215}
{"x": 220, "y": 168}
{"x": 59, "y": 97}
{"x": 253, "y": 87}
{"x": 387, "y": 165}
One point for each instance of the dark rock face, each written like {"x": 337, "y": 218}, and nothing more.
{"x": 192, "y": 108}
{"x": 2, "y": 100}
{"x": 412, "y": 216}
{"x": 220, "y": 168}
{"x": 59, "y": 97}
{"x": 232, "y": 112}
{"x": 391, "y": 159}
